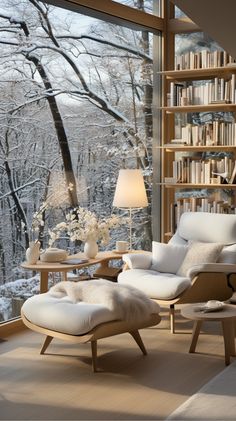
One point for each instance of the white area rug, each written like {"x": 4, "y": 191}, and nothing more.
{"x": 214, "y": 401}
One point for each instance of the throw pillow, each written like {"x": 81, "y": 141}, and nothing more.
{"x": 167, "y": 257}
{"x": 200, "y": 253}
{"x": 228, "y": 254}
{"x": 138, "y": 261}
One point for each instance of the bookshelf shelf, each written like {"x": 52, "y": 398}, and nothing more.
{"x": 189, "y": 148}
{"x": 199, "y": 186}
{"x": 199, "y": 74}
{"x": 200, "y": 108}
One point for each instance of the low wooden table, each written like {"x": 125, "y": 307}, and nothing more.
{"x": 227, "y": 317}
{"x": 103, "y": 258}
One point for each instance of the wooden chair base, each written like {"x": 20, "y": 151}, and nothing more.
{"x": 103, "y": 330}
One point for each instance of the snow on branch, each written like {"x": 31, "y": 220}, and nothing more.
{"x": 123, "y": 47}
{"x": 20, "y": 188}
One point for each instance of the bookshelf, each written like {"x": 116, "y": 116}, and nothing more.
{"x": 198, "y": 158}
{"x": 200, "y": 108}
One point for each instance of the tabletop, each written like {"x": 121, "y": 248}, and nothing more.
{"x": 102, "y": 256}
{"x": 227, "y": 312}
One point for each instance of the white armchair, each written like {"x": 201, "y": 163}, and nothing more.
{"x": 198, "y": 264}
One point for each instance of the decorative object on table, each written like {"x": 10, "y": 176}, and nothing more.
{"x": 73, "y": 261}
{"x": 211, "y": 305}
{"x": 122, "y": 246}
{"x": 130, "y": 193}
{"x": 33, "y": 252}
{"x": 84, "y": 225}
{"x": 90, "y": 249}
{"x": 53, "y": 254}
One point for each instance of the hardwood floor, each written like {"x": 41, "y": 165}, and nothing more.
{"x": 60, "y": 385}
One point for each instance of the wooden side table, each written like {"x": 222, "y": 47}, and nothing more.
{"x": 103, "y": 258}
{"x": 227, "y": 318}
{"x": 44, "y": 268}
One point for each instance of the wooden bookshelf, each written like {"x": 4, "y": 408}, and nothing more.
{"x": 169, "y": 150}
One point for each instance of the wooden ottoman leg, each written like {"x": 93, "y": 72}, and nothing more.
{"x": 94, "y": 355}
{"x": 47, "y": 342}
{"x": 138, "y": 340}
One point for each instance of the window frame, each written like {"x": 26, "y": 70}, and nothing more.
{"x": 122, "y": 15}
{"x": 164, "y": 26}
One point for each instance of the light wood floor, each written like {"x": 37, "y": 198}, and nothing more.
{"x": 61, "y": 385}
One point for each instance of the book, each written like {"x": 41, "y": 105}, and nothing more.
{"x": 233, "y": 175}
{"x": 170, "y": 180}
{"x": 176, "y": 142}
{"x": 220, "y": 101}
{"x": 74, "y": 261}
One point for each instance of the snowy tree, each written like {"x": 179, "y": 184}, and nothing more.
{"x": 82, "y": 106}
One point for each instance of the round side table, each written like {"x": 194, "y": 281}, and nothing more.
{"x": 227, "y": 317}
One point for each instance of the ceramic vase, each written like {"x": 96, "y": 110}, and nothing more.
{"x": 90, "y": 249}
{"x": 33, "y": 252}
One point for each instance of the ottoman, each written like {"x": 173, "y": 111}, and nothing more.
{"x": 80, "y": 322}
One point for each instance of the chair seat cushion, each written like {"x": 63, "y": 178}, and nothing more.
{"x": 61, "y": 315}
{"x": 157, "y": 285}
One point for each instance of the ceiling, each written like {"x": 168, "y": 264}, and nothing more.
{"x": 215, "y": 17}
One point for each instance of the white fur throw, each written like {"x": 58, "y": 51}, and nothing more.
{"x": 128, "y": 303}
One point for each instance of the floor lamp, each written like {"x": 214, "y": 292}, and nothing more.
{"x": 130, "y": 193}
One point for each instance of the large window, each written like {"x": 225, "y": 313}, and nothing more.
{"x": 76, "y": 97}
{"x": 148, "y": 6}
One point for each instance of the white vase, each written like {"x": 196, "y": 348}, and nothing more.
{"x": 90, "y": 249}
{"x": 33, "y": 252}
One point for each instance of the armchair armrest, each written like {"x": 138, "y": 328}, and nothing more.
{"x": 138, "y": 260}
{"x": 226, "y": 268}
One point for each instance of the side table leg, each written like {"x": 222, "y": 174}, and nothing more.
{"x": 196, "y": 330}
{"x": 43, "y": 282}
{"x": 229, "y": 344}
{"x": 64, "y": 276}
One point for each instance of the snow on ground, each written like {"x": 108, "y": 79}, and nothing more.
{"x": 21, "y": 289}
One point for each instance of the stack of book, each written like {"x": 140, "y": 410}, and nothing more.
{"x": 217, "y": 90}
{"x": 195, "y": 170}
{"x": 197, "y": 204}
{"x": 215, "y": 133}
{"x": 203, "y": 60}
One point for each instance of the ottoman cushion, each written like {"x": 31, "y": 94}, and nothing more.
{"x": 62, "y": 315}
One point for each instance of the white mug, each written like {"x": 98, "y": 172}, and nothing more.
{"x": 122, "y": 246}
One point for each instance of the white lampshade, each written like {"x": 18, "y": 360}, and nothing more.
{"x": 130, "y": 190}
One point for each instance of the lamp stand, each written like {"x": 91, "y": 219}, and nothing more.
{"x": 130, "y": 229}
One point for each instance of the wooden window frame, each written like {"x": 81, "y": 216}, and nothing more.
{"x": 123, "y": 15}
{"x": 116, "y": 13}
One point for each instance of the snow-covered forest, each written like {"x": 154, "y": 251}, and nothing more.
{"x": 76, "y": 106}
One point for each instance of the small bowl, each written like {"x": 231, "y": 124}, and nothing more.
{"x": 53, "y": 255}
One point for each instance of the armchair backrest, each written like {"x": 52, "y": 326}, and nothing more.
{"x": 206, "y": 227}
